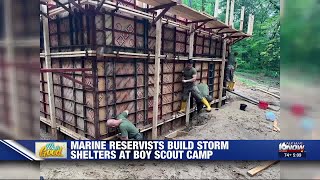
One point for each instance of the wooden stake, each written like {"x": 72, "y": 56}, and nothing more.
{"x": 274, "y": 95}
{"x": 49, "y": 78}
{"x": 258, "y": 169}
{"x": 232, "y": 14}
{"x": 188, "y": 110}
{"x": 227, "y": 12}
{"x": 242, "y": 18}
{"x": 156, "y": 77}
{"x": 224, "y": 51}
{"x": 216, "y": 9}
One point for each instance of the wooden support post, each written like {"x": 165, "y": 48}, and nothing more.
{"x": 188, "y": 110}
{"x": 216, "y": 9}
{"x": 191, "y": 46}
{"x": 191, "y": 41}
{"x": 156, "y": 77}
{"x": 232, "y": 14}
{"x": 242, "y": 18}
{"x": 224, "y": 51}
{"x": 49, "y": 78}
{"x": 249, "y": 24}
{"x": 252, "y": 22}
{"x": 227, "y": 12}
{"x": 12, "y": 75}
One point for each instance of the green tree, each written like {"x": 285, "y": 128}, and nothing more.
{"x": 261, "y": 52}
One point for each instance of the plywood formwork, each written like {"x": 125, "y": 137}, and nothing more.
{"x": 123, "y": 78}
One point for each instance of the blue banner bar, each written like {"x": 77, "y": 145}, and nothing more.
{"x": 161, "y": 150}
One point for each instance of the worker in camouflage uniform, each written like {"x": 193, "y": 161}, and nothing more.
{"x": 204, "y": 90}
{"x": 127, "y": 130}
{"x": 189, "y": 78}
{"x": 231, "y": 67}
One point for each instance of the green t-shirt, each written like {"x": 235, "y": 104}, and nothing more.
{"x": 187, "y": 74}
{"x": 127, "y": 129}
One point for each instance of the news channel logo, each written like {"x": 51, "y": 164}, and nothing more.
{"x": 292, "y": 150}
{"x": 51, "y": 150}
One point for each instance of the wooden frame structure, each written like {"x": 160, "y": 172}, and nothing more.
{"x": 136, "y": 54}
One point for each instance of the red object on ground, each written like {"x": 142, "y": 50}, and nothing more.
{"x": 263, "y": 105}
{"x": 297, "y": 109}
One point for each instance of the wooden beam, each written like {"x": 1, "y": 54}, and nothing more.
{"x": 44, "y": 14}
{"x": 63, "y": 6}
{"x": 77, "y": 5}
{"x": 224, "y": 51}
{"x": 202, "y": 20}
{"x": 227, "y": 12}
{"x": 216, "y": 9}
{"x": 258, "y": 169}
{"x": 169, "y": 5}
{"x": 52, "y": 108}
{"x": 231, "y": 22}
{"x": 156, "y": 78}
{"x": 242, "y": 18}
{"x": 274, "y": 95}
{"x": 163, "y": 12}
{"x": 100, "y": 5}
{"x": 64, "y": 130}
{"x": 202, "y": 24}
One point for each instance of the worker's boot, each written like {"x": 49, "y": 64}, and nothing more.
{"x": 183, "y": 107}
{"x": 206, "y": 103}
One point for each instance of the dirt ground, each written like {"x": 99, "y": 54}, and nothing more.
{"x": 227, "y": 123}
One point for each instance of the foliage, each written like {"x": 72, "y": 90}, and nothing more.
{"x": 261, "y": 53}
{"x": 301, "y": 36}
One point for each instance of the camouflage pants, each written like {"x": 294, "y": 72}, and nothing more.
{"x": 195, "y": 93}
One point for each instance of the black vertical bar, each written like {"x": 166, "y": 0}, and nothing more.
{"x": 62, "y": 95}
{"x": 201, "y": 71}
{"x": 113, "y": 26}
{"x": 186, "y": 43}
{"x": 203, "y": 39}
{"x": 71, "y": 28}
{"x": 173, "y": 64}
{"x": 114, "y": 87}
{"x": 82, "y": 28}
{"x": 210, "y": 41}
{"x": 195, "y": 45}
{"x": 74, "y": 99}
{"x": 146, "y": 72}
{"x": 135, "y": 90}
{"x": 216, "y": 48}
{"x": 84, "y": 102}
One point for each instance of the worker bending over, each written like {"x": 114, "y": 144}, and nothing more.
{"x": 127, "y": 129}
{"x": 204, "y": 90}
{"x": 189, "y": 78}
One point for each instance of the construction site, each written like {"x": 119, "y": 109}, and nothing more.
{"x": 101, "y": 57}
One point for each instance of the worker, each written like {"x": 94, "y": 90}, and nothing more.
{"x": 204, "y": 90}
{"x": 189, "y": 78}
{"x": 127, "y": 129}
{"x": 231, "y": 67}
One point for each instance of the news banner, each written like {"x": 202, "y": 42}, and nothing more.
{"x": 161, "y": 150}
